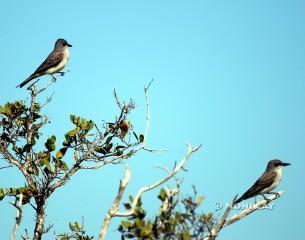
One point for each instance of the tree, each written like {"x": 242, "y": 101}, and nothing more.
{"x": 45, "y": 170}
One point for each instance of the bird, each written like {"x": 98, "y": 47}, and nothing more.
{"x": 266, "y": 182}
{"x": 54, "y": 63}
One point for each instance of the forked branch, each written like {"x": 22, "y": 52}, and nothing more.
{"x": 114, "y": 210}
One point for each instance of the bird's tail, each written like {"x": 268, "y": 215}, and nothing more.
{"x": 26, "y": 80}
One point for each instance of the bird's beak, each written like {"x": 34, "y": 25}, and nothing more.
{"x": 69, "y": 45}
{"x": 285, "y": 164}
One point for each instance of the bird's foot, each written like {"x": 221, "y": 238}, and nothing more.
{"x": 266, "y": 198}
{"x": 53, "y": 78}
{"x": 276, "y": 193}
{"x": 62, "y": 73}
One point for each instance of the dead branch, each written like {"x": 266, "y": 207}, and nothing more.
{"x": 115, "y": 206}
{"x": 17, "y": 205}
{"x": 223, "y": 222}
{"x": 256, "y": 206}
{"x": 113, "y": 211}
{"x": 142, "y": 145}
{"x": 158, "y": 183}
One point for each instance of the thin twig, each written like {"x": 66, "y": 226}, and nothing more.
{"x": 136, "y": 149}
{"x": 6, "y": 167}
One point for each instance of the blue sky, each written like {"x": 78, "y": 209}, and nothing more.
{"x": 228, "y": 75}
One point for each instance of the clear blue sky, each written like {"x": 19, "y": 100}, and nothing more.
{"x": 228, "y": 75}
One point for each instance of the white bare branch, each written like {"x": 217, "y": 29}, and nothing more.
{"x": 114, "y": 210}
{"x": 158, "y": 183}
{"x": 236, "y": 217}
{"x": 115, "y": 206}
{"x": 17, "y": 205}
{"x": 247, "y": 211}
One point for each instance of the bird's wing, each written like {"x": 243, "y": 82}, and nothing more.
{"x": 51, "y": 61}
{"x": 263, "y": 182}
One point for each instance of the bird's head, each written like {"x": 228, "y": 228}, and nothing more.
{"x": 60, "y": 43}
{"x": 276, "y": 164}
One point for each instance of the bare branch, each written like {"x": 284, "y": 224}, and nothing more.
{"x": 12, "y": 160}
{"x": 244, "y": 213}
{"x": 223, "y": 222}
{"x": 155, "y": 150}
{"x": 117, "y": 99}
{"x": 134, "y": 150}
{"x": 158, "y": 183}
{"x": 6, "y": 166}
{"x": 17, "y": 205}
{"x": 115, "y": 206}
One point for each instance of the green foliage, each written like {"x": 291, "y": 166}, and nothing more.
{"x": 77, "y": 232}
{"x": 45, "y": 165}
{"x": 82, "y": 123}
{"x": 141, "y": 138}
{"x": 50, "y": 143}
{"x": 27, "y": 192}
{"x": 176, "y": 220}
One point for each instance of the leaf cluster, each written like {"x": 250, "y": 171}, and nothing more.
{"x": 177, "y": 219}
{"x": 77, "y": 232}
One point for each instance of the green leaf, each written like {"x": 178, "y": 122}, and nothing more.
{"x": 27, "y": 148}
{"x": 2, "y": 110}
{"x": 119, "y": 147}
{"x": 208, "y": 217}
{"x": 50, "y": 143}
{"x": 126, "y": 224}
{"x": 76, "y": 155}
{"x": 128, "y": 235}
{"x": 83, "y": 124}
{"x": 17, "y": 150}
{"x": 141, "y": 137}
{"x": 74, "y": 119}
{"x": 48, "y": 169}
{"x": 63, "y": 166}
{"x": 36, "y": 107}
{"x": 140, "y": 213}
{"x": 44, "y": 158}
{"x": 127, "y": 206}
{"x": 139, "y": 223}
{"x": 119, "y": 152}
{"x": 61, "y": 153}
{"x": 72, "y": 132}
{"x": 186, "y": 236}
{"x": 104, "y": 149}
{"x": 90, "y": 125}
{"x": 162, "y": 195}
{"x": 147, "y": 230}
{"x": 71, "y": 226}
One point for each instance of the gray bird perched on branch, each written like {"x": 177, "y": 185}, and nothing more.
{"x": 267, "y": 182}
{"x": 55, "y": 62}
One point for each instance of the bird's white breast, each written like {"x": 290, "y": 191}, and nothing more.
{"x": 277, "y": 179}
{"x": 62, "y": 64}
